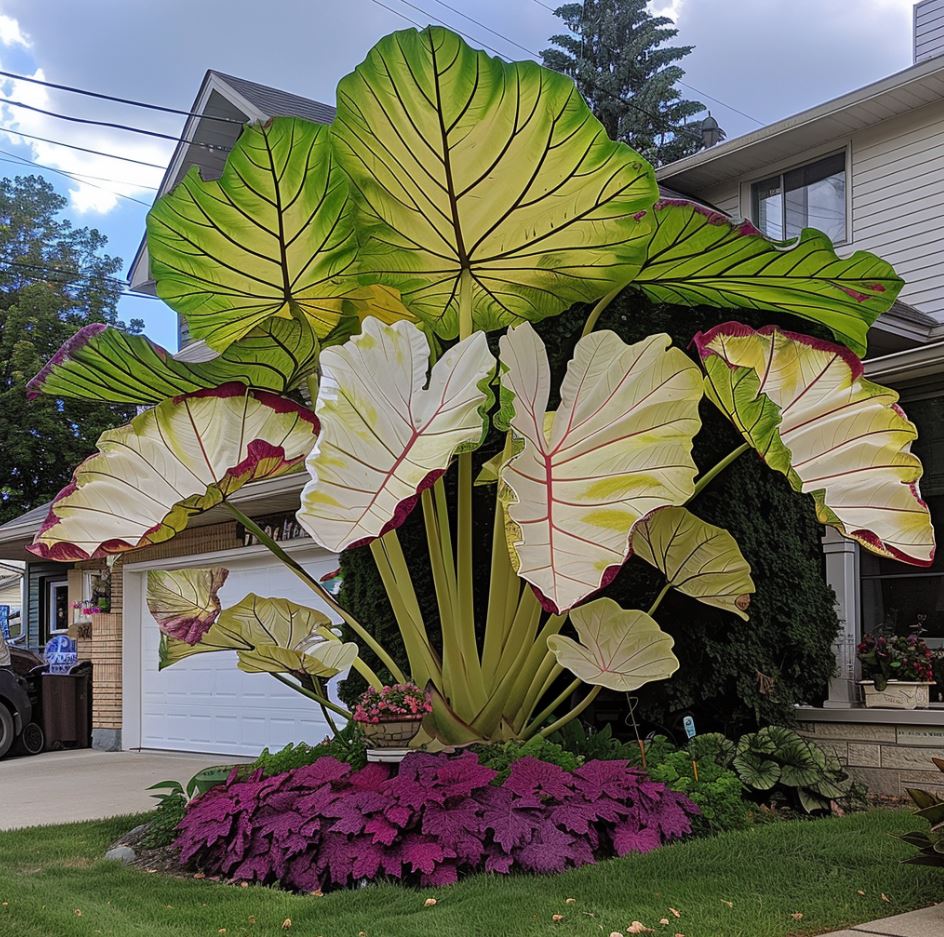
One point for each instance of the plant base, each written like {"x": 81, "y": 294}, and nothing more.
{"x": 388, "y": 755}
{"x": 898, "y": 694}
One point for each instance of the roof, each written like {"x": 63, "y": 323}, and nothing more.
{"x": 274, "y": 102}
{"x": 795, "y": 136}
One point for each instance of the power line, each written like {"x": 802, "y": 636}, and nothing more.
{"x": 704, "y": 94}
{"x": 76, "y": 178}
{"x": 112, "y": 126}
{"x": 81, "y": 149}
{"x": 111, "y": 97}
{"x": 465, "y": 16}
{"x": 76, "y": 172}
{"x": 78, "y": 274}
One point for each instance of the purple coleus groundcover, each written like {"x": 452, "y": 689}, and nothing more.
{"x": 440, "y": 816}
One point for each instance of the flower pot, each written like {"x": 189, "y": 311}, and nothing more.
{"x": 898, "y": 694}
{"x": 391, "y": 733}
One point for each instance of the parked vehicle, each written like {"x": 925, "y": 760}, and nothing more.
{"x": 20, "y": 718}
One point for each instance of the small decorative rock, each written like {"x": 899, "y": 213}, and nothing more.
{"x": 123, "y": 854}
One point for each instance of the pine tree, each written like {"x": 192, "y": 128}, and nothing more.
{"x": 616, "y": 52}
{"x": 42, "y": 304}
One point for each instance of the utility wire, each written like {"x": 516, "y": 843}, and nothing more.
{"x": 76, "y": 172}
{"x": 656, "y": 117}
{"x": 111, "y": 97}
{"x": 112, "y": 126}
{"x": 77, "y": 274}
{"x": 75, "y": 177}
{"x": 81, "y": 149}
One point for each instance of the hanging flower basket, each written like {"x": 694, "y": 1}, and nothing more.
{"x": 391, "y": 716}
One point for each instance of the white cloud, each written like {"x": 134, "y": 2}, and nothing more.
{"x": 11, "y": 34}
{"x": 114, "y": 178}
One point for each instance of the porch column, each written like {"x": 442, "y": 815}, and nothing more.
{"x": 842, "y": 573}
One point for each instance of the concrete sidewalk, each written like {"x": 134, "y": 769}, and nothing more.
{"x": 928, "y": 922}
{"x": 62, "y": 787}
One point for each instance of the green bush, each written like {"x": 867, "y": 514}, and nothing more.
{"x": 793, "y": 619}
{"x": 162, "y": 830}
{"x": 718, "y": 792}
{"x": 348, "y": 746}
{"x": 501, "y": 756}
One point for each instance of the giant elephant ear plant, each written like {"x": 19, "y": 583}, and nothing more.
{"x": 453, "y": 195}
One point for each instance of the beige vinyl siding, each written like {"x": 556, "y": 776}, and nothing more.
{"x": 11, "y": 593}
{"x": 928, "y": 29}
{"x": 898, "y": 201}
{"x": 725, "y": 198}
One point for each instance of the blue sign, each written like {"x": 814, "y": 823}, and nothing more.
{"x": 5, "y": 621}
{"x": 689, "y": 724}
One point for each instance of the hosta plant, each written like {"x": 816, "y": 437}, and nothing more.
{"x": 930, "y": 808}
{"x": 361, "y": 266}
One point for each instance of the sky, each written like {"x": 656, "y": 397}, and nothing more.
{"x": 754, "y": 61}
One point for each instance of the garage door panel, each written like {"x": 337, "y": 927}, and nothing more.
{"x": 205, "y": 703}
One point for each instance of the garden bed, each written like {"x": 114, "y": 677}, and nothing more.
{"x": 833, "y": 873}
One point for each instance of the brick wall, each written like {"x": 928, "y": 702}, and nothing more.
{"x": 103, "y": 645}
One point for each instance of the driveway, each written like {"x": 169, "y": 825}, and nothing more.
{"x": 62, "y": 787}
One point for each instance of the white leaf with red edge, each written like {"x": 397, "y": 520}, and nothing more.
{"x": 618, "y": 447}
{"x": 620, "y": 649}
{"x": 179, "y": 459}
{"x": 807, "y": 408}
{"x": 185, "y": 602}
{"x": 385, "y": 435}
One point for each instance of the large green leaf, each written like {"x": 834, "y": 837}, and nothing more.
{"x": 459, "y": 161}
{"x": 619, "y": 649}
{"x": 270, "y": 636}
{"x": 697, "y": 558}
{"x": 104, "y": 363}
{"x": 270, "y": 237}
{"x": 806, "y": 407}
{"x": 699, "y": 257}
{"x": 385, "y": 434}
{"x": 617, "y": 448}
{"x": 179, "y": 459}
{"x": 185, "y": 602}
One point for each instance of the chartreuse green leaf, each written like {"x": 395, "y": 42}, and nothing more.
{"x": 270, "y": 636}
{"x": 618, "y": 447}
{"x": 620, "y": 649}
{"x": 696, "y": 557}
{"x": 699, "y": 257}
{"x": 463, "y": 162}
{"x": 385, "y": 433}
{"x": 806, "y": 407}
{"x": 179, "y": 459}
{"x": 100, "y": 362}
{"x": 185, "y": 602}
{"x": 271, "y": 237}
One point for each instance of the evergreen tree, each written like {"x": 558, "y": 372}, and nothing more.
{"x": 41, "y": 305}
{"x": 616, "y": 52}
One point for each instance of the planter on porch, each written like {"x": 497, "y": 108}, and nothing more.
{"x": 898, "y": 694}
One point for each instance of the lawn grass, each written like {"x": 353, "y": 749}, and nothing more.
{"x": 833, "y": 872}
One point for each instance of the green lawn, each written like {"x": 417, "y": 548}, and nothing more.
{"x": 832, "y": 872}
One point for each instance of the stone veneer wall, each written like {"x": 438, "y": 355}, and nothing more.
{"x": 104, "y": 647}
{"x": 887, "y": 757}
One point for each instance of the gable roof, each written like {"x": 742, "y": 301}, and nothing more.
{"x": 273, "y": 102}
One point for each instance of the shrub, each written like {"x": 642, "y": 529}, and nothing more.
{"x": 327, "y": 825}
{"x": 347, "y": 746}
{"x": 501, "y": 756}
{"x": 717, "y": 792}
{"x": 931, "y": 843}
{"x": 171, "y": 807}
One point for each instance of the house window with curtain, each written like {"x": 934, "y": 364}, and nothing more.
{"x": 809, "y": 196}
{"x": 897, "y": 597}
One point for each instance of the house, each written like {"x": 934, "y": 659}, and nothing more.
{"x": 11, "y": 597}
{"x": 204, "y": 704}
{"x": 868, "y": 169}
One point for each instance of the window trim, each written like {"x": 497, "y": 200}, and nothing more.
{"x": 781, "y": 169}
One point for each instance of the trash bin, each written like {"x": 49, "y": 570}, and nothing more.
{"x": 67, "y": 706}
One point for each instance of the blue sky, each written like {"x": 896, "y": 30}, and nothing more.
{"x": 765, "y": 58}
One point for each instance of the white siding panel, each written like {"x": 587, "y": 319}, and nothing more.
{"x": 725, "y": 198}
{"x": 928, "y": 29}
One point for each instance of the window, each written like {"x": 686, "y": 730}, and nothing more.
{"x": 811, "y": 196}
{"x": 57, "y": 605}
{"x": 895, "y": 596}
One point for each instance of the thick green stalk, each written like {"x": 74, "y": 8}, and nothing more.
{"x": 502, "y": 580}
{"x": 276, "y": 550}
{"x": 320, "y": 700}
{"x": 548, "y": 671}
{"x": 598, "y": 310}
{"x": 716, "y": 470}
{"x": 573, "y": 714}
{"x": 537, "y": 654}
{"x": 521, "y": 631}
{"x": 663, "y": 592}
{"x": 443, "y": 576}
{"x": 551, "y": 707}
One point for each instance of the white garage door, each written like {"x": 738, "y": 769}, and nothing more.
{"x": 204, "y": 704}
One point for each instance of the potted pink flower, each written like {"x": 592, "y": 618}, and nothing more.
{"x": 898, "y": 671}
{"x": 391, "y": 716}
